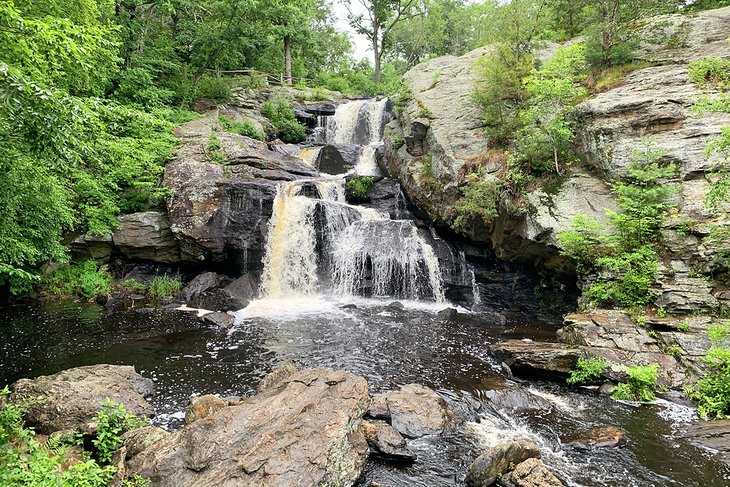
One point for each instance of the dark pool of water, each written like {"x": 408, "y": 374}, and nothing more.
{"x": 388, "y": 347}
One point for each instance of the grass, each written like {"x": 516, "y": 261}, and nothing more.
{"x": 164, "y": 286}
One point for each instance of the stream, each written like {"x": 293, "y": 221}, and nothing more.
{"x": 332, "y": 272}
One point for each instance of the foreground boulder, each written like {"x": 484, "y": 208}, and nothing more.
{"x": 531, "y": 473}
{"x": 414, "y": 411}
{"x": 302, "y": 430}
{"x": 69, "y": 399}
{"x": 490, "y": 465}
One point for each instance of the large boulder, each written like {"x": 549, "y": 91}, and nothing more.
{"x": 540, "y": 358}
{"x": 147, "y": 236}
{"x": 69, "y": 399}
{"x": 303, "y": 431}
{"x": 531, "y": 473}
{"x": 219, "y": 212}
{"x": 413, "y": 410}
{"x": 491, "y": 464}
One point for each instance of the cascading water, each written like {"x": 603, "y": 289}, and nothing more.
{"x": 319, "y": 245}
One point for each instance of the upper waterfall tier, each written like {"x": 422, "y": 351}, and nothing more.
{"x": 357, "y": 122}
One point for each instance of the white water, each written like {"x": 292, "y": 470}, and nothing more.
{"x": 357, "y": 122}
{"x": 367, "y": 165}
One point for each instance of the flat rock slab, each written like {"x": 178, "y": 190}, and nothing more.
{"x": 414, "y": 411}
{"x": 714, "y": 435}
{"x": 69, "y": 399}
{"x": 302, "y": 430}
{"x": 537, "y": 357}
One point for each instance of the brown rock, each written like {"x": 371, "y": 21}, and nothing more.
{"x": 531, "y": 357}
{"x": 385, "y": 442}
{"x": 138, "y": 440}
{"x": 69, "y": 399}
{"x": 532, "y": 473}
{"x": 601, "y": 437}
{"x": 203, "y": 406}
{"x": 304, "y": 433}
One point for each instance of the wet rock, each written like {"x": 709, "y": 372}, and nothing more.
{"x": 147, "y": 236}
{"x": 446, "y": 314}
{"x": 490, "y": 465}
{"x": 531, "y": 473}
{"x": 203, "y": 406}
{"x": 395, "y": 306}
{"x": 224, "y": 320}
{"x": 385, "y": 442}
{"x": 326, "y": 159}
{"x": 713, "y": 435}
{"x": 69, "y": 399}
{"x": 414, "y": 411}
{"x": 350, "y": 153}
{"x": 200, "y": 283}
{"x": 304, "y": 433}
{"x": 512, "y": 397}
{"x": 386, "y": 196}
{"x": 600, "y": 437}
{"x": 244, "y": 289}
{"x": 538, "y": 358}
{"x": 276, "y": 377}
{"x": 140, "y": 439}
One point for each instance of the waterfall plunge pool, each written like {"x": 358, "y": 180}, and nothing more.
{"x": 388, "y": 346}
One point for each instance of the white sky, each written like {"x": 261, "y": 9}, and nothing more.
{"x": 360, "y": 44}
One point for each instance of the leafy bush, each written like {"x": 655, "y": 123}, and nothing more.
{"x": 711, "y": 71}
{"x": 478, "y": 202}
{"x": 213, "y": 88}
{"x": 712, "y": 391}
{"x": 25, "y": 461}
{"x": 87, "y": 279}
{"x": 360, "y": 186}
{"x": 626, "y": 278}
{"x": 281, "y": 115}
{"x": 587, "y": 370}
{"x": 397, "y": 141}
{"x": 215, "y": 154}
{"x": 641, "y": 384}
{"x": 164, "y": 286}
{"x": 132, "y": 285}
{"x": 112, "y": 421}
{"x": 137, "y": 85}
{"x": 242, "y": 128}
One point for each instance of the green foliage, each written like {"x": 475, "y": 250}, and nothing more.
{"x": 397, "y": 141}
{"x": 710, "y": 72}
{"x": 112, "y": 421}
{"x": 683, "y": 327}
{"x": 674, "y": 350}
{"x": 360, "y": 186}
{"x": 587, "y": 371}
{"x": 132, "y": 285}
{"x": 215, "y": 154}
{"x": 625, "y": 261}
{"x": 164, "y": 286}
{"x": 86, "y": 279}
{"x": 25, "y": 461}
{"x": 712, "y": 391}
{"x": 478, "y": 203}
{"x": 136, "y": 481}
{"x": 427, "y": 166}
{"x": 242, "y": 128}
{"x": 213, "y": 88}
{"x": 281, "y": 115}
{"x": 641, "y": 384}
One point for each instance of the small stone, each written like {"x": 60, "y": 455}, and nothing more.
{"x": 601, "y": 437}
{"x": 497, "y": 460}
{"x": 385, "y": 442}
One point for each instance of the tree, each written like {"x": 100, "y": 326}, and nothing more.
{"x": 378, "y": 22}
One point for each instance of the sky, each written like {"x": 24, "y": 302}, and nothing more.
{"x": 359, "y": 42}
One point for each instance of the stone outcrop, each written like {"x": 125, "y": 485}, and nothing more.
{"x": 203, "y": 406}
{"x": 70, "y": 399}
{"x": 714, "y": 435}
{"x": 490, "y": 465}
{"x": 147, "y": 236}
{"x": 530, "y": 357}
{"x": 219, "y": 212}
{"x": 413, "y": 410}
{"x": 302, "y": 430}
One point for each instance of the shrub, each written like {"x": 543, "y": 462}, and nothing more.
{"x": 137, "y": 85}
{"x": 281, "y": 115}
{"x": 478, "y": 202}
{"x": 213, "y": 88}
{"x": 164, "y": 286}
{"x": 25, "y": 461}
{"x": 397, "y": 141}
{"x": 112, "y": 421}
{"x": 641, "y": 384}
{"x": 626, "y": 278}
{"x": 132, "y": 285}
{"x": 427, "y": 166}
{"x": 587, "y": 370}
{"x": 86, "y": 279}
{"x": 242, "y": 128}
{"x": 711, "y": 71}
{"x": 712, "y": 391}
{"x": 215, "y": 154}
{"x": 360, "y": 186}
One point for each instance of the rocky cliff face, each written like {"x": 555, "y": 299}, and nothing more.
{"x": 440, "y": 128}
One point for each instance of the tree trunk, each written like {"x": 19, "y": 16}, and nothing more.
{"x": 376, "y": 52}
{"x": 287, "y": 59}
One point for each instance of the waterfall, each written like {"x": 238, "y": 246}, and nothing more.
{"x": 318, "y": 244}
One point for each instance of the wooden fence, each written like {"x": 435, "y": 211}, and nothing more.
{"x": 269, "y": 78}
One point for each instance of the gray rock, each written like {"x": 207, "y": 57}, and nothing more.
{"x": 600, "y": 437}
{"x": 97, "y": 247}
{"x": 138, "y": 440}
{"x": 531, "y": 473}
{"x": 200, "y": 283}
{"x": 224, "y": 320}
{"x": 385, "y": 442}
{"x": 244, "y": 289}
{"x": 530, "y": 357}
{"x": 490, "y": 465}
{"x": 70, "y": 399}
{"x": 147, "y": 236}
{"x": 512, "y": 397}
{"x": 303, "y": 433}
{"x": 713, "y": 435}
{"x": 414, "y": 410}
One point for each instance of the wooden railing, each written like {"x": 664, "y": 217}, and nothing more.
{"x": 269, "y": 78}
